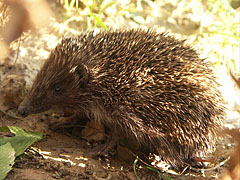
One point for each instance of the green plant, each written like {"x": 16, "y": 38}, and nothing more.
{"x": 94, "y": 8}
{"x": 11, "y": 147}
{"x": 223, "y": 31}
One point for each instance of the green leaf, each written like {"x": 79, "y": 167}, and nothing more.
{"x": 22, "y": 139}
{"x": 7, "y": 157}
{"x": 134, "y": 168}
{"x": 99, "y": 22}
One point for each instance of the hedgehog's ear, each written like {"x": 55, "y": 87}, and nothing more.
{"x": 82, "y": 72}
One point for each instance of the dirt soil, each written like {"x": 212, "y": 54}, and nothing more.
{"x": 63, "y": 154}
{"x": 63, "y": 151}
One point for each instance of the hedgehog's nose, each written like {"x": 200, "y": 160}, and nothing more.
{"x": 23, "y": 111}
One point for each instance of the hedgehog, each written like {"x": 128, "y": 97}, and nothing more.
{"x": 141, "y": 84}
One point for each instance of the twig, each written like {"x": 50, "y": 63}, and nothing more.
{"x": 235, "y": 79}
{"x": 19, "y": 42}
{"x": 12, "y": 116}
{"x": 212, "y": 168}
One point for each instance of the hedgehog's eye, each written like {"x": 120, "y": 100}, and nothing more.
{"x": 57, "y": 88}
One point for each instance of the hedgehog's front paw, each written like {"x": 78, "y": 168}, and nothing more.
{"x": 101, "y": 150}
{"x": 108, "y": 148}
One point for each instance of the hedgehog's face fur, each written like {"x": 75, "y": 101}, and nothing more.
{"x": 59, "y": 84}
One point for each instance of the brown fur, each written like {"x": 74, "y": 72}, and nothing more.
{"x": 147, "y": 86}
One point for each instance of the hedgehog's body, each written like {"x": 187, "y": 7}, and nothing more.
{"x": 143, "y": 85}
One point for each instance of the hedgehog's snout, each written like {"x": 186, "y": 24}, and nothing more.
{"x": 23, "y": 108}
{"x": 23, "y": 111}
